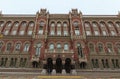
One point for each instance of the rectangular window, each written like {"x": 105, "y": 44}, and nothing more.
{"x": 77, "y": 32}
{"x": 96, "y": 32}
{"x": 65, "y": 33}
{"x": 40, "y": 32}
{"x": 88, "y": 32}
{"x": 30, "y": 32}
{"x": 21, "y": 32}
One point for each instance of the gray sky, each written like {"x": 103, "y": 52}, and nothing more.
{"x": 60, "y": 6}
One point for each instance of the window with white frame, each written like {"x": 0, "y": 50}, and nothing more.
{"x": 102, "y": 24}
{"x": 9, "y": 45}
{"x": 118, "y": 48}
{"x": 88, "y": 32}
{"x": 31, "y": 24}
{"x": 38, "y": 49}
{"x": 21, "y": 32}
{"x": 30, "y": 32}
{"x": 96, "y": 32}
{"x": 40, "y": 31}
{"x": 1, "y": 44}
{"x": 66, "y": 47}
{"x": 110, "y": 24}
{"x": 26, "y": 47}
{"x": 58, "y": 32}
{"x": 14, "y": 32}
{"x": 24, "y": 24}
{"x": 109, "y": 46}
{"x": 16, "y": 24}
{"x": 52, "y": 24}
{"x": 1, "y": 24}
{"x": 77, "y": 32}
{"x": 94, "y": 24}
{"x": 59, "y": 46}
{"x": 17, "y": 47}
{"x": 118, "y": 24}
{"x": 6, "y": 32}
{"x": 113, "y": 33}
{"x": 87, "y": 25}
{"x": 52, "y": 32}
{"x": 65, "y": 33}
{"x": 65, "y": 25}
{"x": 104, "y": 33}
{"x": 51, "y": 46}
{"x": 9, "y": 24}
{"x": 58, "y": 24}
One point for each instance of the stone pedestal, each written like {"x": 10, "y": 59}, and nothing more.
{"x": 53, "y": 72}
{"x": 43, "y": 72}
{"x": 73, "y": 72}
{"x": 63, "y": 72}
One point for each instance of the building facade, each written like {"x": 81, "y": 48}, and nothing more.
{"x": 60, "y": 41}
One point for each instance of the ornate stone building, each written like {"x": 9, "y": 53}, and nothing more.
{"x": 60, "y": 41}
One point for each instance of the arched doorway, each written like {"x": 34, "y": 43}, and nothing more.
{"x": 35, "y": 64}
{"x": 83, "y": 65}
{"x": 68, "y": 65}
{"x": 58, "y": 66}
{"x": 49, "y": 65}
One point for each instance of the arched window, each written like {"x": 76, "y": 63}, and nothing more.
{"x": 31, "y": 24}
{"x": 51, "y": 46}
{"x": 102, "y": 24}
{"x": 9, "y": 45}
{"x": 38, "y": 49}
{"x": 1, "y": 44}
{"x": 17, "y": 47}
{"x": 52, "y": 24}
{"x": 65, "y": 25}
{"x": 87, "y": 24}
{"x": 110, "y": 24}
{"x": 117, "y": 24}
{"x": 9, "y": 24}
{"x": 91, "y": 47}
{"x": 80, "y": 52}
{"x": 59, "y": 28}
{"x": 16, "y": 24}
{"x": 26, "y": 47}
{"x": 118, "y": 48}
{"x": 94, "y": 24}
{"x": 24, "y": 24}
{"x": 100, "y": 47}
{"x": 66, "y": 47}
{"x": 58, "y": 24}
{"x": 59, "y": 46}
{"x": 1, "y": 23}
{"x": 42, "y": 24}
{"x": 76, "y": 26}
{"x": 109, "y": 46}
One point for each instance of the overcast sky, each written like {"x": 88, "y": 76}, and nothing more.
{"x": 60, "y": 6}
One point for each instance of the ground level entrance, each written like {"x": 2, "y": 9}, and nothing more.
{"x": 58, "y": 65}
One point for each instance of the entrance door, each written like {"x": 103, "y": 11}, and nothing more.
{"x": 49, "y": 65}
{"x": 59, "y": 65}
{"x": 82, "y": 65}
{"x": 68, "y": 65}
{"x": 35, "y": 64}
